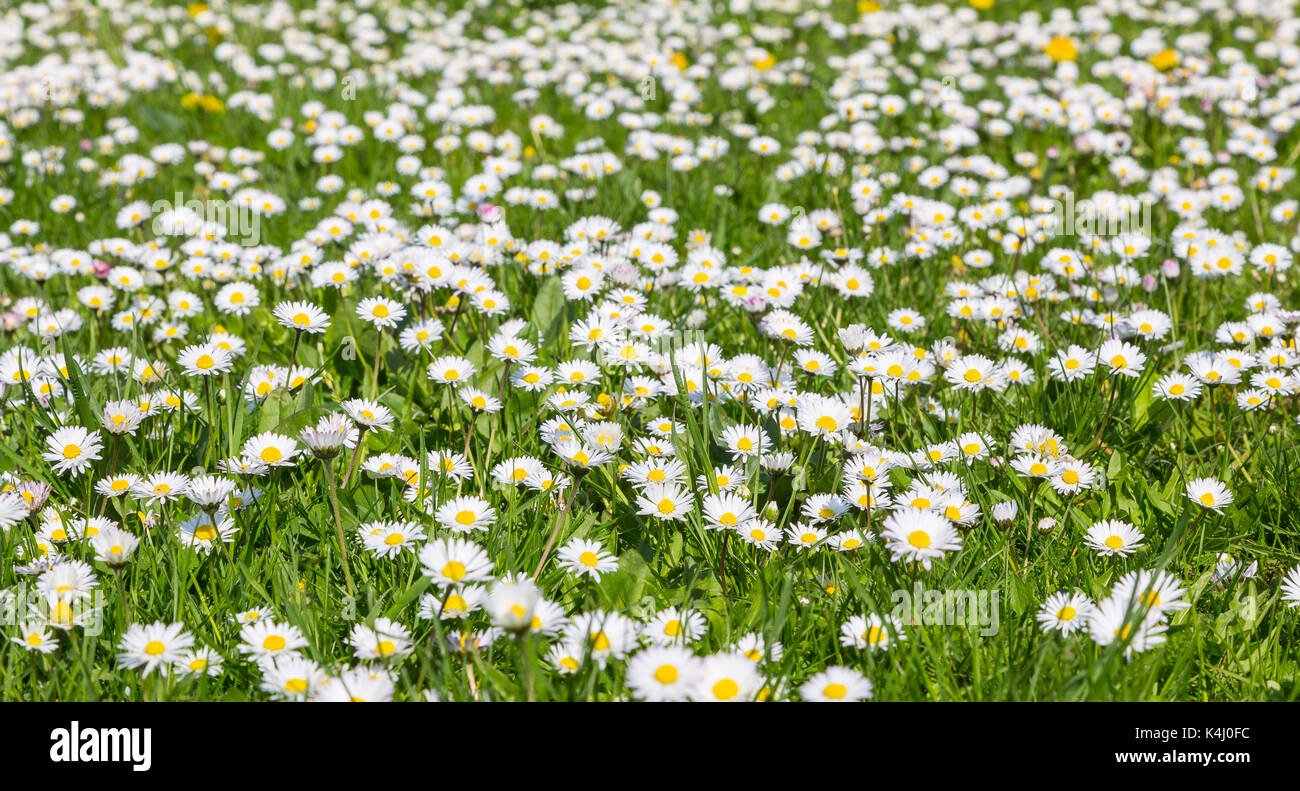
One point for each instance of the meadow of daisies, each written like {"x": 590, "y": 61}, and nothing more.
{"x": 753, "y": 350}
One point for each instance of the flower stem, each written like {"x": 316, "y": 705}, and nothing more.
{"x": 550, "y": 542}
{"x": 352, "y": 466}
{"x": 338, "y": 525}
{"x": 374, "y": 378}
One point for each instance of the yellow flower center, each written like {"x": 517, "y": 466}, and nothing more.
{"x": 726, "y": 689}
{"x": 666, "y": 674}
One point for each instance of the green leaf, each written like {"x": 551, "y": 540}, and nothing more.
{"x": 548, "y": 310}
{"x": 412, "y": 593}
{"x": 87, "y": 405}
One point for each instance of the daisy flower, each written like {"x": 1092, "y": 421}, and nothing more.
{"x": 69, "y": 580}
{"x": 1072, "y": 364}
{"x": 201, "y": 661}
{"x": 511, "y": 603}
{"x": 390, "y": 539}
{"x": 36, "y": 636}
{"x": 154, "y": 645}
{"x": 607, "y": 635}
{"x": 450, "y": 370}
{"x": 871, "y": 632}
{"x": 823, "y": 417}
{"x": 1159, "y": 593}
{"x": 1177, "y": 387}
{"x": 754, "y": 647}
{"x": 455, "y": 604}
{"x": 1122, "y": 358}
{"x": 1209, "y": 493}
{"x": 850, "y": 540}
{"x": 675, "y": 626}
{"x": 582, "y": 556}
{"x": 922, "y": 536}
{"x": 1111, "y": 621}
{"x": 451, "y": 465}
{"x": 804, "y": 535}
{"x": 479, "y": 400}
{"x": 1113, "y": 537}
{"x": 381, "y": 312}
{"x": 304, "y": 317}
{"x": 420, "y": 336}
{"x": 823, "y": 507}
{"x": 291, "y": 677}
{"x": 358, "y": 685}
{"x": 725, "y": 510}
{"x": 1291, "y": 587}
{"x": 14, "y": 509}
{"x": 1065, "y": 612}
{"x": 204, "y": 359}
{"x": 974, "y": 372}
{"x": 759, "y": 533}
{"x": 664, "y": 501}
{"x": 114, "y": 546}
{"x": 567, "y": 656}
{"x": 266, "y": 638}
{"x": 387, "y": 639}
{"x": 726, "y": 677}
{"x": 272, "y": 449}
{"x": 72, "y": 449}
{"x": 1072, "y": 476}
{"x": 465, "y": 514}
{"x": 455, "y": 561}
{"x": 836, "y": 684}
{"x": 203, "y": 532}
{"x": 663, "y": 673}
{"x": 368, "y": 414}
{"x": 161, "y": 487}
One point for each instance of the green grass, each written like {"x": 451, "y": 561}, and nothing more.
{"x": 1235, "y": 642}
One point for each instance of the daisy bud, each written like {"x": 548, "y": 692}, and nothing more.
{"x": 1005, "y": 513}
{"x": 324, "y": 445}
